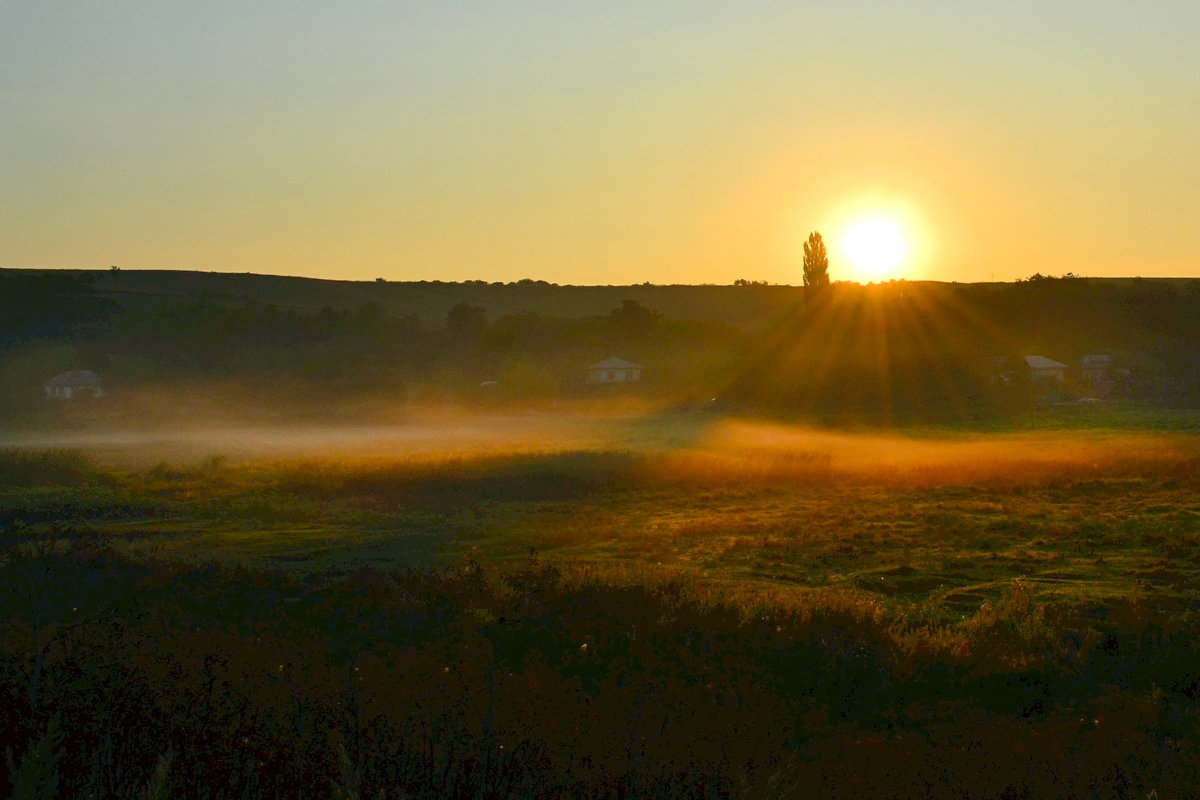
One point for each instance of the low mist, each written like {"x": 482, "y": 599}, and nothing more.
{"x": 672, "y": 443}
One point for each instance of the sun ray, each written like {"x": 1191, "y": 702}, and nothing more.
{"x": 888, "y": 352}
{"x": 834, "y": 322}
{"x": 880, "y": 333}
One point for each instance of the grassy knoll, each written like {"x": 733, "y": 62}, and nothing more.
{"x": 669, "y": 606}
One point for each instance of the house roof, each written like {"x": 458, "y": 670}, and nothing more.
{"x": 1096, "y": 360}
{"x": 75, "y": 377}
{"x": 615, "y": 363}
{"x": 1041, "y": 362}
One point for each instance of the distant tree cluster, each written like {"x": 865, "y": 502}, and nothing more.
{"x": 1037, "y": 276}
{"x": 872, "y": 360}
{"x": 217, "y": 336}
{"x": 53, "y": 305}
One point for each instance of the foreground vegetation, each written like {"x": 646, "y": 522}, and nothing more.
{"x": 713, "y": 609}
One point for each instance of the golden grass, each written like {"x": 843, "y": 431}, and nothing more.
{"x": 935, "y": 526}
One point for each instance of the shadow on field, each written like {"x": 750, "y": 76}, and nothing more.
{"x": 453, "y": 484}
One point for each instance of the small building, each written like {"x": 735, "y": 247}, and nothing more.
{"x": 74, "y": 384}
{"x": 614, "y": 370}
{"x": 1095, "y": 369}
{"x": 1045, "y": 369}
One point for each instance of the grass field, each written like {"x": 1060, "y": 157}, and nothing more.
{"x": 651, "y": 605}
{"x": 933, "y": 524}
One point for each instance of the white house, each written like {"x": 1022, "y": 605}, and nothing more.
{"x": 1045, "y": 369}
{"x": 74, "y": 384}
{"x": 614, "y": 370}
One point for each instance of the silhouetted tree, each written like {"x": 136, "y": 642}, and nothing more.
{"x": 54, "y": 305}
{"x": 633, "y": 317}
{"x": 466, "y": 321}
{"x": 816, "y": 261}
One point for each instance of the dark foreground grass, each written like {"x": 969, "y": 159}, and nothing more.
{"x": 773, "y": 619}
{"x": 519, "y": 683}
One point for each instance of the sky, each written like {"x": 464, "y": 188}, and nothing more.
{"x": 610, "y": 142}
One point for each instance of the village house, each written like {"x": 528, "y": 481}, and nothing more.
{"x": 614, "y": 370}
{"x": 1002, "y": 369}
{"x": 1045, "y": 369}
{"x": 74, "y": 384}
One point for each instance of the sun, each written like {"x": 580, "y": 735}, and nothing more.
{"x": 876, "y": 247}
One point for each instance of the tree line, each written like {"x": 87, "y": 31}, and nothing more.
{"x": 895, "y": 349}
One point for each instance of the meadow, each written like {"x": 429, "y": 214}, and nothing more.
{"x": 668, "y": 603}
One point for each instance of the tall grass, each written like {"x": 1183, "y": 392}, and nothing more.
{"x": 529, "y": 682}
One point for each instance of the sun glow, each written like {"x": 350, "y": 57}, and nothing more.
{"x": 876, "y": 247}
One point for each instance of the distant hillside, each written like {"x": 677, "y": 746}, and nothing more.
{"x": 431, "y": 300}
{"x": 885, "y": 351}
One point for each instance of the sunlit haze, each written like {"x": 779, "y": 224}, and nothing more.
{"x": 607, "y": 143}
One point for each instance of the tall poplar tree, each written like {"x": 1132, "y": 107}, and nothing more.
{"x": 816, "y": 261}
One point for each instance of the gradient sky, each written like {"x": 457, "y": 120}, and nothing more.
{"x": 599, "y": 142}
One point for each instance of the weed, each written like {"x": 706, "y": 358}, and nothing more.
{"x": 36, "y": 775}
